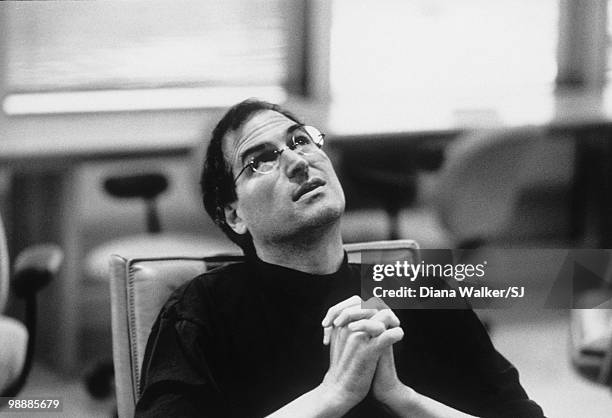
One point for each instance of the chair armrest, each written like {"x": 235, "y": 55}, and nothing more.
{"x": 35, "y": 267}
{"x": 591, "y": 337}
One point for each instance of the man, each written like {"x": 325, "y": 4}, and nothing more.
{"x": 245, "y": 340}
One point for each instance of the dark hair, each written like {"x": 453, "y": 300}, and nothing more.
{"x": 217, "y": 180}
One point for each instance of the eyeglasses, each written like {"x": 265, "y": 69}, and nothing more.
{"x": 304, "y": 140}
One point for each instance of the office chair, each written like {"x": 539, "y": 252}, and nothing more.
{"x": 141, "y": 286}
{"x": 148, "y": 187}
{"x": 591, "y": 323}
{"x": 591, "y": 338}
{"x": 498, "y": 186}
{"x": 387, "y": 176}
{"x": 34, "y": 268}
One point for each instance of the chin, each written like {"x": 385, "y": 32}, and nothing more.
{"x": 324, "y": 216}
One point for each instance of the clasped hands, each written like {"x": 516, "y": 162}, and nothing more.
{"x": 361, "y": 353}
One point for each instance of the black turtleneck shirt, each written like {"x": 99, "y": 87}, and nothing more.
{"x": 246, "y": 339}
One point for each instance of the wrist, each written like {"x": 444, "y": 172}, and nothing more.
{"x": 398, "y": 398}
{"x": 320, "y": 402}
{"x": 334, "y": 398}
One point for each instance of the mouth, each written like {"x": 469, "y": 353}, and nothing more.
{"x": 306, "y": 187}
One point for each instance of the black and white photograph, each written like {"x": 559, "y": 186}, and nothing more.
{"x": 306, "y": 208}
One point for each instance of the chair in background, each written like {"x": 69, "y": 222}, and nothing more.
{"x": 506, "y": 186}
{"x": 34, "y": 268}
{"x": 141, "y": 286}
{"x": 591, "y": 339}
{"x": 386, "y": 176}
{"x": 591, "y": 325}
{"x": 148, "y": 187}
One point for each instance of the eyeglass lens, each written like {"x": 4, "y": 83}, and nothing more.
{"x": 304, "y": 140}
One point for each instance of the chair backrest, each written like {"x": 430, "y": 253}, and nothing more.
{"x": 485, "y": 173}
{"x": 4, "y": 268}
{"x": 140, "y": 287}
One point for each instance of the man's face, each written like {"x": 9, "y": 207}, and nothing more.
{"x": 301, "y": 194}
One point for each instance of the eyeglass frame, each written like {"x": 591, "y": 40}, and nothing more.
{"x": 279, "y": 151}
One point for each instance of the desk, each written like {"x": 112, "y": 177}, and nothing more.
{"x": 43, "y": 155}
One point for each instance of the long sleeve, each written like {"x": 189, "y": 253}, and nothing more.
{"x": 176, "y": 379}
{"x": 448, "y": 356}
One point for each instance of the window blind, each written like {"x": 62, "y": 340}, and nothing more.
{"x": 99, "y": 45}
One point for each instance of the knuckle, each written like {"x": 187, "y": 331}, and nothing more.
{"x": 362, "y": 323}
{"x": 351, "y": 313}
{"x": 379, "y": 329}
{"x": 355, "y": 299}
{"x": 351, "y": 310}
{"x": 358, "y": 336}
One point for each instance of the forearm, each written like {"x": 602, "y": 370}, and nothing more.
{"x": 319, "y": 402}
{"x": 405, "y": 402}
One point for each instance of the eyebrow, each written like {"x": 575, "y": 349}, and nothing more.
{"x": 250, "y": 151}
{"x": 264, "y": 145}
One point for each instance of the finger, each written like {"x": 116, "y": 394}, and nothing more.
{"x": 377, "y": 324}
{"x": 353, "y": 313}
{"x": 335, "y": 310}
{"x": 355, "y": 339}
{"x": 355, "y": 351}
{"x": 334, "y": 348}
{"x": 371, "y": 327}
{"x": 386, "y": 359}
{"x": 339, "y": 344}
{"x": 389, "y": 337}
{"x": 350, "y": 314}
{"x": 327, "y": 331}
{"x": 387, "y": 317}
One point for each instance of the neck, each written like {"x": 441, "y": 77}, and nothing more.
{"x": 318, "y": 252}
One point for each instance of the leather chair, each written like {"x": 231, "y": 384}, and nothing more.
{"x": 34, "y": 268}
{"x": 147, "y": 187}
{"x": 141, "y": 286}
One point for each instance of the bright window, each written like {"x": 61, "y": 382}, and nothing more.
{"x": 453, "y": 49}
{"x": 609, "y": 52}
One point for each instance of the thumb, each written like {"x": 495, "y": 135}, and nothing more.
{"x": 386, "y": 360}
{"x": 389, "y": 337}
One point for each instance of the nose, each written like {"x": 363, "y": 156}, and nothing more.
{"x": 295, "y": 164}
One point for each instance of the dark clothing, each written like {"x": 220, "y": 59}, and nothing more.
{"x": 246, "y": 339}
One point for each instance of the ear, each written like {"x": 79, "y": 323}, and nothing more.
{"x": 233, "y": 219}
